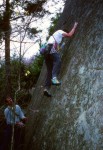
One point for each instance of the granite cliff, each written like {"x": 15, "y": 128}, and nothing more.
{"x": 73, "y": 118}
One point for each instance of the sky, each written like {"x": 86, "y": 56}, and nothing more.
{"x": 30, "y": 47}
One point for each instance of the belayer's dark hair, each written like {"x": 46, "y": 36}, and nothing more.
{"x": 7, "y": 98}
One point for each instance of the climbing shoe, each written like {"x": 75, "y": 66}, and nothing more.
{"x": 55, "y": 81}
{"x": 47, "y": 93}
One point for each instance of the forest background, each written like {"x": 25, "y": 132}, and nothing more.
{"x": 19, "y": 24}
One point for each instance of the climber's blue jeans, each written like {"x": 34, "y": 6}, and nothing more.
{"x": 53, "y": 64}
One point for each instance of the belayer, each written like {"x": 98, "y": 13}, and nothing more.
{"x": 14, "y": 116}
{"x": 53, "y": 59}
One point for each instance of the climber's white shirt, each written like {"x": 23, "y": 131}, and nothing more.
{"x": 56, "y": 37}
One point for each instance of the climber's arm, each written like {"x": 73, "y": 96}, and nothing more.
{"x": 69, "y": 34}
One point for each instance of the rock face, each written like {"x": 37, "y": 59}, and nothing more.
{"x": 73, "y": 118}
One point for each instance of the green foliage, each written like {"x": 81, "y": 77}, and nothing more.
{"x": 34, "y": 7}
{"x": 17, "y": 69}
{"x": 23, "y": 98}
{"x": 2, "y": 82}
{"x": 32, "y": 32}
{"x": 29, "y": 74}
{"x": 32, "y": 72}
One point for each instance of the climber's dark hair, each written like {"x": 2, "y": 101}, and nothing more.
{"x": 65, "y": 30}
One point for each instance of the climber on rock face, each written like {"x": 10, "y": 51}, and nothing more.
{"x": 53, "y": 59}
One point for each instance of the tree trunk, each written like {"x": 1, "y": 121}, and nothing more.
{"x": 7, "y": 48}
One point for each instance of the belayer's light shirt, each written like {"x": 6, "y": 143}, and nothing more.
{"x": 11, "y": 116}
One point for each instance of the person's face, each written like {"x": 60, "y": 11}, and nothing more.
{"x": 9, "y": 101}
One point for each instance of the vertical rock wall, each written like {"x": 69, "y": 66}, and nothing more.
{"x": 73, "y": 118}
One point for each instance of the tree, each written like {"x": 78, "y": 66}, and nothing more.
{"x": 26, "y": 10}
{"x": 6, "y": 20}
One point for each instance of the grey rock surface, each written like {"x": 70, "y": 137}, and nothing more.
{"x": 73, "y": 118}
